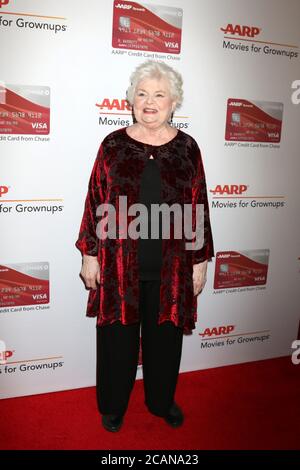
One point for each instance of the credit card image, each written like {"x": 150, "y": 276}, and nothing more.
{"x": 253, "y": 121}
{"x": 24, "y": 284}
{"x": 239, "y": 269}
{"x": 143, "y": 27}
{"x": 24, "y": 109}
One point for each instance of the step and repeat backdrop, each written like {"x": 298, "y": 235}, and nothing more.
{"x": 65, "y": 68}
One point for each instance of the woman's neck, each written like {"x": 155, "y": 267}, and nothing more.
{"x": 155, "y": 136}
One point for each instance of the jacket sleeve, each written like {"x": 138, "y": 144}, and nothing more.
{"x": 87, "y": 241}
{"x": 199, "y": 196}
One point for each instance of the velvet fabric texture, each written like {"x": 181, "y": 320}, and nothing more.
{"x": 117, "y": 172}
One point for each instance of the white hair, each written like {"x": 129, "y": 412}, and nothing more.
{"x": 156, "y": 69}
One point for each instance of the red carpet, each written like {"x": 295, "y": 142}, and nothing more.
{"x": 248, "y": 406}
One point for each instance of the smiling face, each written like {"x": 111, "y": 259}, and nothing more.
{"x": 153, "y": 103}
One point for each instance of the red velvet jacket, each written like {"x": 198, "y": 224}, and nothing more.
{"x": 117, "y": 171}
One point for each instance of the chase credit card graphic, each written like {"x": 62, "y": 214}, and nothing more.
{"x": 24, "y": 109}
{"x": 238, "y": 269}
{"x": 253, "y": 121}
{"x": 147, "y": 27}
{"x": 24, "y": 284}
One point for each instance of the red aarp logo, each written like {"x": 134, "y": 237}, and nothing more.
{"x": 229, "y": 189}
{"x": 249, "y": 31}
{"x": 3, "y": 190}
{"x": 217, "y": 331}
{"x": 3, "y": 2}
{"x": 114, "y": 105}
{"x": 5, "y": 355}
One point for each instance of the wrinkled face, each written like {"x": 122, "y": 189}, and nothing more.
{"x": 153, "y": 104}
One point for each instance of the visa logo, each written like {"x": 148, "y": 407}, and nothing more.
{"x": 217, "y": 331}
{"x": 39, "y": 125}
{"x": 39, "y": 296}
{"x": 173, "y": 45}
{"x": 273, "y": 134}
{"x": 249, "y": 31}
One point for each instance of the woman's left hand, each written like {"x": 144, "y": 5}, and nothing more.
{"x": 199, "y": 276}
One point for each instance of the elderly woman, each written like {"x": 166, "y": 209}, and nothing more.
{"x": 144, "y": 282}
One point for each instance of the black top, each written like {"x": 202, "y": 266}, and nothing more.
{"x": 150, "y": 249}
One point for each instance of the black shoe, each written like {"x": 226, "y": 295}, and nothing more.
{"x": 175, "y": 416}
{"x": 112, "y": 423}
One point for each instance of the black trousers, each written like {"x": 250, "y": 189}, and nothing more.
{"x": 118, "y": 352}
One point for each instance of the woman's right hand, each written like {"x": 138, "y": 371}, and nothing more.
{"x": 90, "y": 271}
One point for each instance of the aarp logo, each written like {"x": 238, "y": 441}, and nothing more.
{"x": 114, "y": 104}
{"x": 229, "y": 189}
{"x": 217, "y": 331}
{"x": 241, "y": 30}
{"x": 3, "y": 190}
{"x": 4, "y": 353}
{"x": 123, "y": 6}
{"x": 3, "y": 2}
